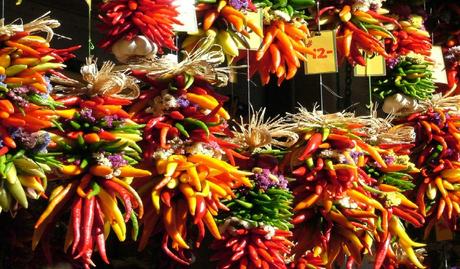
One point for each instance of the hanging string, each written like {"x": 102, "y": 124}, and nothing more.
{"x": 90, "y": 43}
{"x": 248, "y": 85}
{"x": 320, "y": 75}
{"x": 3, "y": 9}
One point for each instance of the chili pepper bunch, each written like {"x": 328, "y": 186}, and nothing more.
{"x": 129, "y": 18}
{"x": 437, "y": 154}
{"x": 97, "y": 148}
{"x": 339, "y": 207}
{"x": 412, "y": 37}
{"x": 184, "y": 126}
{"x": 410, "y": 75}
{"x": 282, "y": 51}
{"x": 27, "y": 109}
{"x": 361, "y": 31}
{"x": 256, "y": 228}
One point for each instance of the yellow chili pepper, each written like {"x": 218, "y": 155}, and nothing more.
{"x": 208, "y": 220}
{"x": 189, "y": 194}
{"x": 307, "y": 202}
{"x": 360, "y": 197}
{"x": 169, "y": 220}
{"x": 53, "y": 203}
{"x": 111, "y": 210}
{"x": 129, "y": 171}
{"x": 438, "y": 182}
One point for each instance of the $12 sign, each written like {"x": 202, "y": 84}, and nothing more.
{"x": 323, "y": 58}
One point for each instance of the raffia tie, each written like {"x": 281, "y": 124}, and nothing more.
{"x": 203, "y": 61}
{"x": 99, "y": 82}
{"x": 42, "y": 24}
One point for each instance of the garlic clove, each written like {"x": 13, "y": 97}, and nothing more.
{"x": 143, "y": 46}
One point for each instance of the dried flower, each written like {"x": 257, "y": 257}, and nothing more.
{"x": 239, "y": 4}
{"x": 117, "y": 160}
{"x": 87, "y": 114}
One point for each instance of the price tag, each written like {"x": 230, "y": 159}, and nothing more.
{"x": 253, "y": 40}
{"x": 187, "y": 16}
{"x": 375, "y": 67}
{"x": 324, "y": 59}
{"x": 439, "y": 67}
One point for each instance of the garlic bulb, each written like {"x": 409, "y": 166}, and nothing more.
{"x": 399, "y": 104}
{"x": 140, "y": 45}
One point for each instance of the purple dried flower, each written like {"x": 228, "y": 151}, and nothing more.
{"x": 239, "y": 4}
{"x": 37, "y": 141}
{"x": 389, "y": 159}
{"x": 392, "y": 63}
{"x": 182, "y": 102}
{"x": 2, "y": 77}
{"x": 87, "y": 114}
{"x": 265, "y": 180}
{"x": 110, "y": 119}
{"x": 117, "y": 160}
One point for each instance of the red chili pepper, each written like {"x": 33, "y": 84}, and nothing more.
{"x": 100, "y": 238}
{"x": 300, "y": 171}
{"x": 312, "y": 145}
{"x": 76, "y": 222}
{"x": 116, "y": 101}
{"x": 88, "y": 220}
{"x": 200, "y": 208}
{"x": 123, "y": 194}
{"x": 168, "y": 252}
{"x": 382, "y": 252}
{"x": 176, "y": 115}
{"x": 69, "y": 101}
{"x": 254, "y": 257}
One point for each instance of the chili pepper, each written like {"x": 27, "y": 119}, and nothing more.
{"x": 311, "y": 146}
{"x": 198, "y": 124}
{"x": 76, "y": 221}
{"x": 182, "y": 130}
{"x": 88, "y": 220}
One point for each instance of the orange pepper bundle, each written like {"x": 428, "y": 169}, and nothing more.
{"x": 252, "y": 248}
{"x": 283, "y": 49}
{"x": 188, "y": 188}
{"x": 236, "y": 18}
{"x": 128, "y": 18}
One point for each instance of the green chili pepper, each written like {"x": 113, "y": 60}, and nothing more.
{"x": 301, "y": 4}
{"x": 19, "y": 154}
{"x": 95, "y": 189}
{"x": 181, "y": 129}
{"x": 84, "y": 163}
{"x": 325, "y": 133}
{"x": 75, "y": 125}
{"x": 189, "y": 79}
{"x": 135, "y": 230}
{"x": 198, "y": 124}
{"x": 310, "y": 163}
{"x": 244, "y": 203}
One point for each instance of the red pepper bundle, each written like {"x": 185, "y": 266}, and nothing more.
{"x": 129, "y": 18}
{"x": 406, "y": 42}
{"x": 437, "y": 154}
{"x": 252, "y": 248}
{"x": 361, "y": 32}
